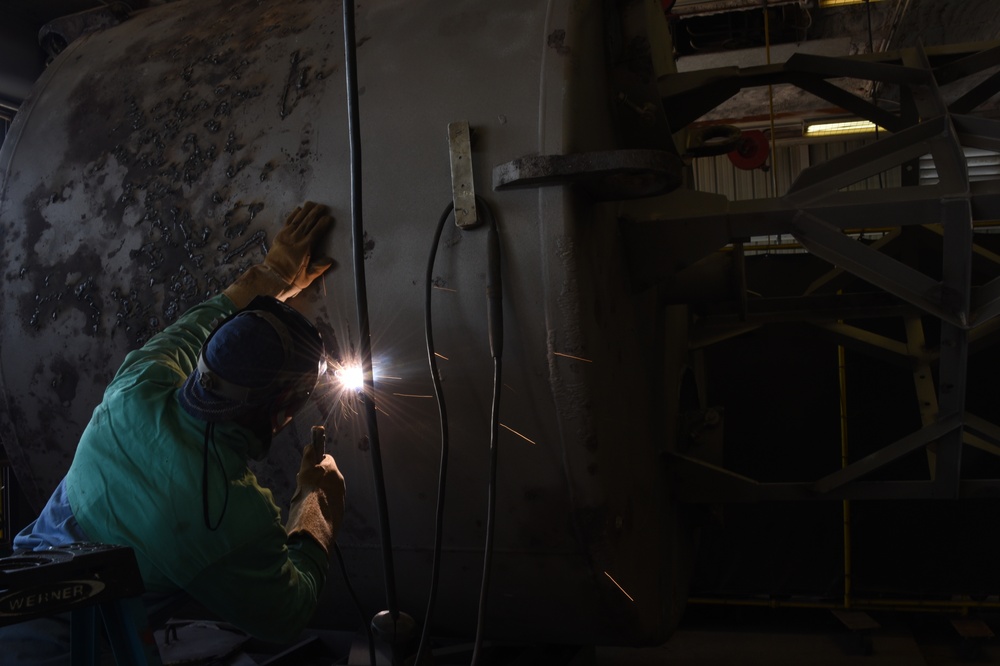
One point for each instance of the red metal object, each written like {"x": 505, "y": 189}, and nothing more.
{"x": 751, "y": 152}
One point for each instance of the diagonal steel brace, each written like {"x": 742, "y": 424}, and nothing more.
{"x": 828, "y": 242}
{"x": 886, "y": 455}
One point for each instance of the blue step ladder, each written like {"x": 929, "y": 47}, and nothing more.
{"x": 84, "y": 580}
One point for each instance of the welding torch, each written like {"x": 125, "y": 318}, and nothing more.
{"x": 319, "y": 442}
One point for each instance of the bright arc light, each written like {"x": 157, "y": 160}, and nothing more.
{"x": 351, "y": 377}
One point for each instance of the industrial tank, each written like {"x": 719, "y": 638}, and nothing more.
{"x": 155, "y": 160}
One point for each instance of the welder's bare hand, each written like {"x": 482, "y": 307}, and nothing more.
{"x": 317, "y": 507}
{"x": 295, "y": 255}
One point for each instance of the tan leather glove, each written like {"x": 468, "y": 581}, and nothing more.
{"x": 293, "y": 261}
{"x": 317, "y": 507}
{"x": 293, "y": 254}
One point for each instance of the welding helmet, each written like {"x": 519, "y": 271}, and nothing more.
{"x": 266, "y": 356}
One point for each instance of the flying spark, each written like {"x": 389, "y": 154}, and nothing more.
{"x": 575, "y": 358}
{"x": 619, "y": 587}
{"x": 519, "y": 434}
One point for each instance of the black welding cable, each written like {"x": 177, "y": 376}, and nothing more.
{"x": 495, "y": 325}
{"x": 494, "y": 284}
{"x": 210, "y": 443}
{"x": 443, "y": 420}
{"x": 357, "y": 604}
{"x": 361, "y": 297}
{"x": 495, "y": 319}
{"x": 490, "y": 513}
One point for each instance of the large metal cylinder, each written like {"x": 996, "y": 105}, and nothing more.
{"x": 155, "y": 160}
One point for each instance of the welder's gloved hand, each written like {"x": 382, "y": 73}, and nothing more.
{"x": 317, "y": 507}
{"x": 293, "y": 261}
{"x": 294, "y": 254}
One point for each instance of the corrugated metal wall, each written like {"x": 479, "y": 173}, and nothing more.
{"x": 822, "y": 152}
{"x": 983, "y": 165}
{"x": 719, "y": 176}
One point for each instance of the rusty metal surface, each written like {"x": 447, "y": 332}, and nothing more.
{"x": 155, "y": 160}
{"x": 126, "y": 206}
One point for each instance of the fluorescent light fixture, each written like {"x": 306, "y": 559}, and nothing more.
{"x": 845, "y": 127}
{"x": 841, "y": 3}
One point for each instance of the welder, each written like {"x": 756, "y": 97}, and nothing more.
{"x": 162, "y": 465}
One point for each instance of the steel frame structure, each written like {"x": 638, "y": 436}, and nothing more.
{"x": 668, "y": 235}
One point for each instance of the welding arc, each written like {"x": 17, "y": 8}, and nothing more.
{"x": 361, "y": 299}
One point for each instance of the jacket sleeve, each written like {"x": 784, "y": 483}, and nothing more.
{"x": 177, "y": 346}
{"x": 269, "y": 588}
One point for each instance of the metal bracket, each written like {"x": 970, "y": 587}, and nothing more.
{"x": 609, "y": 175}
{"x": 463, "y": 190}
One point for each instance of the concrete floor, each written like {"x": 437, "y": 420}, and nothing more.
{"x": 728, "y": 648}
{"x": 924, "y": 641}
{"x": 817, "y": 638}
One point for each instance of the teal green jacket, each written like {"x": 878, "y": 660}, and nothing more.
{"x": 136, "y": 480}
